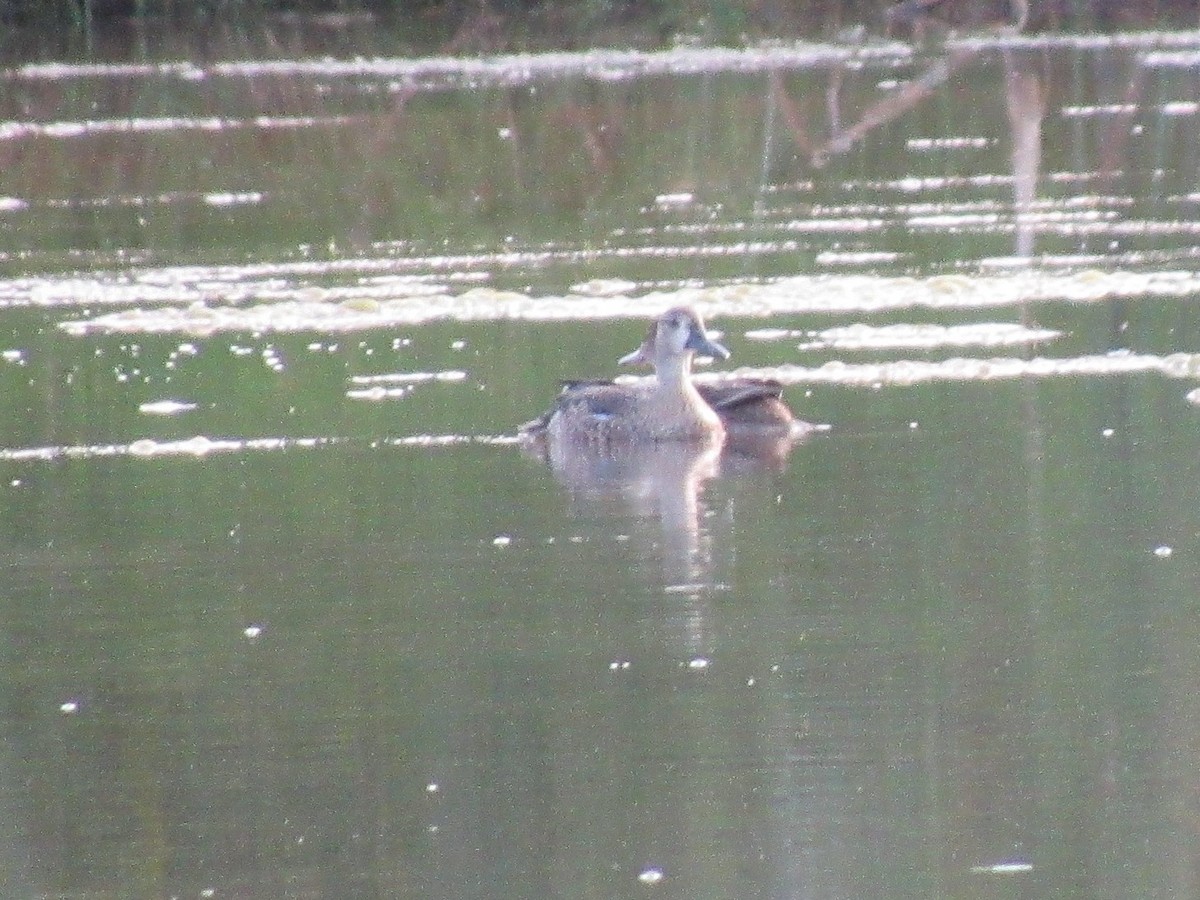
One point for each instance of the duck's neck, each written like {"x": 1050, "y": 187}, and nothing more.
{"x": 675, "y": 386}
{"x": 684, "y": 412}
{"x": 674, "y": 372}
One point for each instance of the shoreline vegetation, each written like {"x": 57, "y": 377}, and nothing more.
{"x": 487, "y": 26}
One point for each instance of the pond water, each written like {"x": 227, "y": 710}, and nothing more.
{"x": 290, "y": 614}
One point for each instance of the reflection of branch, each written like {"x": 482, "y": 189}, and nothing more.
{"x": 1025, "y": 95}
{"x": 796, "y": 119}
{"x": 376, "y": 185}
{"x": 833, "y": 99}
{"x": 915, "y": 15}
{"x": 598, "y": 131}
{"x": 1115, "y": 133}
{"x": 481, "y": 31}
{"x": 893, "y": 106}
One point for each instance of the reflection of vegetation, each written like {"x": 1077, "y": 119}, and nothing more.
{"x": 483, "y": 25}
{"x": 305, "y": 163}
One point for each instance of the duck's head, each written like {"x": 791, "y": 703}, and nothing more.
{"x": 678, "y": 332}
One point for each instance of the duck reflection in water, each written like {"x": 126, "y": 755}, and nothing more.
{"x": 652, "y": 444}
{"x": 654, "y": 483}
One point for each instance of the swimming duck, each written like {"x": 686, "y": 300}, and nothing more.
{"x": 746, "y": 406}
{"x": 667, "y": 408}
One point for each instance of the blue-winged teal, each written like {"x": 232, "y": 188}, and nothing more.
{"x": 746, "y": 406}
{"x": 667, "y": 408}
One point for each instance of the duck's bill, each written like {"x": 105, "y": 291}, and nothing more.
{"x": 706, "y": 347}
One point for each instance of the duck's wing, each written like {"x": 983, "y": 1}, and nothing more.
{"x": 724, "y": 396}
{"x": 597, "y": 399}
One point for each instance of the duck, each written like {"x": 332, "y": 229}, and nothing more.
{"x": 746, "y": 406}
{"x": 665, "y": 408}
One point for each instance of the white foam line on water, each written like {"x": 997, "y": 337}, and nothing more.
{"x": 1171, "y": 59}
{"x": 604, "y": 64}
{"x": 56, "y": 71}
{"x": 798, "y": 294}
{"x": 147, "y": 448}
{"x": 910, "y": 372}
{"x": 11, "y": 130}
{"x": 166, "y": 407}
{"x": 949, "y": 143}
{"x": 512, "y": 68}
{"x": 1162, "y": 48}
{"x": 405, "y": 378}
{"x": 1004, "y": 868}
{"x": 926, "y": 336}
{"x": 1180, "y": 108}
{"x": 453, "y": 440}
{"x": 139, "y": 201}
{"x": 1053, "y": 223}
{"x": 1102, "y": 109}
{"x": 186, "y": 285}
{"x": 199, "y": 447}
{"x": 1133, "y": 40}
